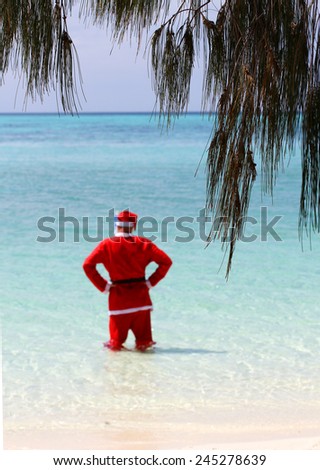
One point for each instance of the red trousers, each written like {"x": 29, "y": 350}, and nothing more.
{"x": 138, "y": 322}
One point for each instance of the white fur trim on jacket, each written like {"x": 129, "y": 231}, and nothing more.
{"x": 130, "y": 310}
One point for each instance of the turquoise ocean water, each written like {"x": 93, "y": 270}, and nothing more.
{"x": 248, "y": 347}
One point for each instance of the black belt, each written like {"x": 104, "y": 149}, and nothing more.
{"x": 129, "y": 281}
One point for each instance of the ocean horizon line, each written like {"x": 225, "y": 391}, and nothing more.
{"x": 91, "y": 113}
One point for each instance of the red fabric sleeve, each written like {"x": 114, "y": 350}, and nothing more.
{"x": 164, "y": 263}
{"x": 90, "y": 269}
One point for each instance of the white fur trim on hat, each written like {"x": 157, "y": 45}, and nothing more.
{"x": 124, "y": 224}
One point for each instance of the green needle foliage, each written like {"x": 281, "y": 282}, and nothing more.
{"x": 261, "y": 78}
{"x": 35, "y": 40}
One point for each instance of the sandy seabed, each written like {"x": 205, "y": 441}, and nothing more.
{"x": 277, "y": 426}
{"x": 164, "y": 436}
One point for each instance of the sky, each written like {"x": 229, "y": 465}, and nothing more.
{"x": 113, "y": 82}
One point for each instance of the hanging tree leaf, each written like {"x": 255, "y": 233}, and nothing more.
{"x": 36, "y": 42}
{"x": 261, "y": 78}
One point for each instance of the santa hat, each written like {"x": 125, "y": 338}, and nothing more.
{"x": 126, "y": 219}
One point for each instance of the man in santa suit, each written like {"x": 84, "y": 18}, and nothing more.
{"x": 126, "y": 257}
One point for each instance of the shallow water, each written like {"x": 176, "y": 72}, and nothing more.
{"x": 251, "y": 343}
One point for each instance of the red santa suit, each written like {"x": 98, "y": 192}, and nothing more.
{"x": 126, "y": 257}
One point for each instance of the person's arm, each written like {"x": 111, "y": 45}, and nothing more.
{"x": 91, "y": 271}
{"x": 164, "y": 263}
